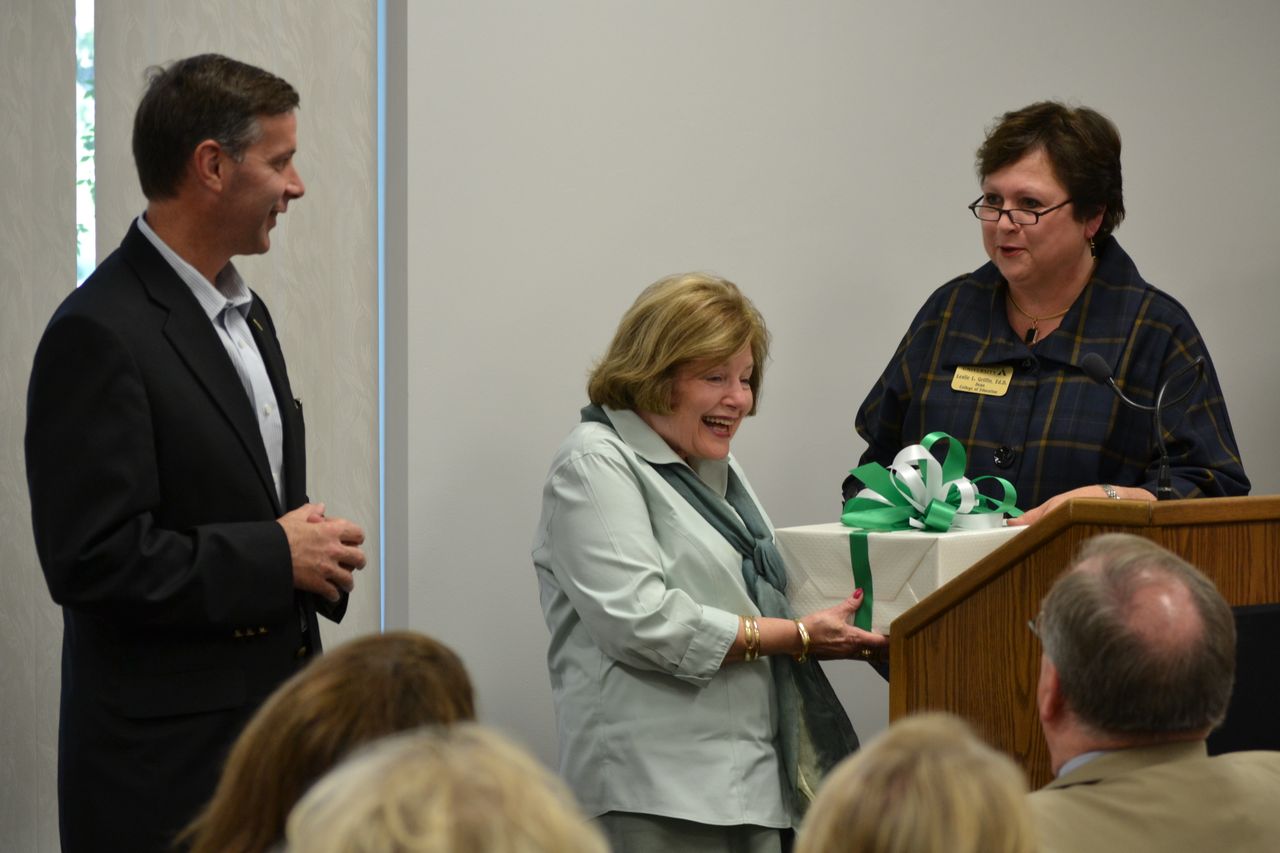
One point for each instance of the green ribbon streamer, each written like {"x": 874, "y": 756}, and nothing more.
{"x": 868, "y": 514}
{"x": 861, "y": 562}
{"x": 938, "y": 515}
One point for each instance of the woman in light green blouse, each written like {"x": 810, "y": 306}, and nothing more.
{"x": 691, "y": 711}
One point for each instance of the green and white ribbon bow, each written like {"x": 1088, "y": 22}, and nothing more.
{"x": 918, "y": 492}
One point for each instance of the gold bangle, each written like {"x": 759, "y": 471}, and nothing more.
{"x": 804, "y": 641}
{"x": 751, "y": 636}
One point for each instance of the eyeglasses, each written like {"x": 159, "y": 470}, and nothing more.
{"x": 1017, "y": 215}
{"x": 1034, "y": 625}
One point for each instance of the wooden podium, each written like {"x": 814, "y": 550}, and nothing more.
{"x": 967, "y": 648}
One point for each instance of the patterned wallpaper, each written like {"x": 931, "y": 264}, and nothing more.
{"x": 320, "y": 281}
{"x": 37, "y": 267}
{"x": 320, "y": 277}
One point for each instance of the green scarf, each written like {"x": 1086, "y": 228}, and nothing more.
{"x": 815, "y": 732}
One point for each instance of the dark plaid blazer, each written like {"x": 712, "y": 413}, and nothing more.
{"x": 1055, "y": 429}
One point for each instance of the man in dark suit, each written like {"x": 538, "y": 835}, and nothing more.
{"x": 1138, "y": 662}
{"x": 166, "y": 466}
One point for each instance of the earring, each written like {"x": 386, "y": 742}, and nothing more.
{"x": 1093, "y": 250}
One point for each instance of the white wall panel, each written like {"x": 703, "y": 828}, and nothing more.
{"x": 37, "y": 268}
{"x": 320, "y": 277}
{"x": 320, "y": 281}
{"x": 564, "y": 154}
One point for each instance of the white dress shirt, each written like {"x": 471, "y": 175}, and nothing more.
{"x": 227, "y": 302}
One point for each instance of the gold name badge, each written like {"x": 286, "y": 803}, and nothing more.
{"x": 977, "y": 379}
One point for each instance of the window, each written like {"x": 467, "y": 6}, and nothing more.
{"x": 86, "y": 217}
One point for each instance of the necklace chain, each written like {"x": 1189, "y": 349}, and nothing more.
{"x": 1033, "y": 334}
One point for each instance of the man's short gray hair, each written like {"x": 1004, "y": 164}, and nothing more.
{"x": 1112, "y": 676}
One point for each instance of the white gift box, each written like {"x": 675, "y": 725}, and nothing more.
{"x": 906, "y": 565}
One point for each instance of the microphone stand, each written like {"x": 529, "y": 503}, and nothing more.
{"x": 1097, "y": 370}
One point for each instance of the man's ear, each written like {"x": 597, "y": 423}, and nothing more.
{"x": 1049, "y": 700}
{"x": 209, "y": 165}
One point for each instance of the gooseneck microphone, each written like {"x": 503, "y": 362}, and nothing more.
{"x": 1097, "y": 369}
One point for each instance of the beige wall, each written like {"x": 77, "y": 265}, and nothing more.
{"x": 320, "y": 281}
{"x": 560, "y": 155}
{"x": 320, "y": 277}
{"x": 568, "y": 152}
{"x": 37, "y": 267}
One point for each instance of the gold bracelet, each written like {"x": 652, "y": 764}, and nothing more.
{"x": 751, "y": 636}
{"x": 804, "y": 640}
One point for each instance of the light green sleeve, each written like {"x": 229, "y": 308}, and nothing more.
{"x": 606, "y": 555}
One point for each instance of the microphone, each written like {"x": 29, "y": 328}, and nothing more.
{"x": 1097, "y": 369}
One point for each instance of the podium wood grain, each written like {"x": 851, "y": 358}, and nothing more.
{"x": 967, "y": 649}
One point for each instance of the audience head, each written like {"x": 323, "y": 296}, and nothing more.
{"x": 1082, "y": 144}
{"x": 198, "y": 98}
{"x": 356, "y": 693}
{"x": 441, "y": 790}
{"x": 926, "y": 785}
{"x": 677, "y": 321}
{"x": 1138, "y": 643}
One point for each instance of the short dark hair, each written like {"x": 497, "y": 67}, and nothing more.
{"x": 1082, "y": 144}
{"x": 202, "y": 97}
{"x": 1111, "y": 675}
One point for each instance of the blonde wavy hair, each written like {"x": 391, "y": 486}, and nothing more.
{"x": 677, "y": 320}
{"x": 926, "y": 785}
{"x": 440, "y": 790}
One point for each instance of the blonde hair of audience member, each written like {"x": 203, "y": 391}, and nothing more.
{"x": 354, "y": 694}
{"x": 440, "y": 790}
{"x": 926, "y": 785}
{"x": 677, "y": 320}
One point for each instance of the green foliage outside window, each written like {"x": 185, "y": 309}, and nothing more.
{"x": 86, "y": 195}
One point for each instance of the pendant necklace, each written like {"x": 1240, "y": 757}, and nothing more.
{"x": 1033, "y": 334}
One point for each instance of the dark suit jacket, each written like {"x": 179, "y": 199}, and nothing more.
{"x": 154, "y": 514}
{"x": 1169, "y": 798}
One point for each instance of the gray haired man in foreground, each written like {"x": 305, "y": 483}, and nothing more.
{"x": 1137, "y": 669}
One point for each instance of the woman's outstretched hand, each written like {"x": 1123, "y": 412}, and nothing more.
{"x": 832, "y": 637}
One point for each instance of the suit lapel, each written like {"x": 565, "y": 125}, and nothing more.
{"x": 295, "y": 466}
{"x": 295, "y": 451}
{"x": 189, "y": 332}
